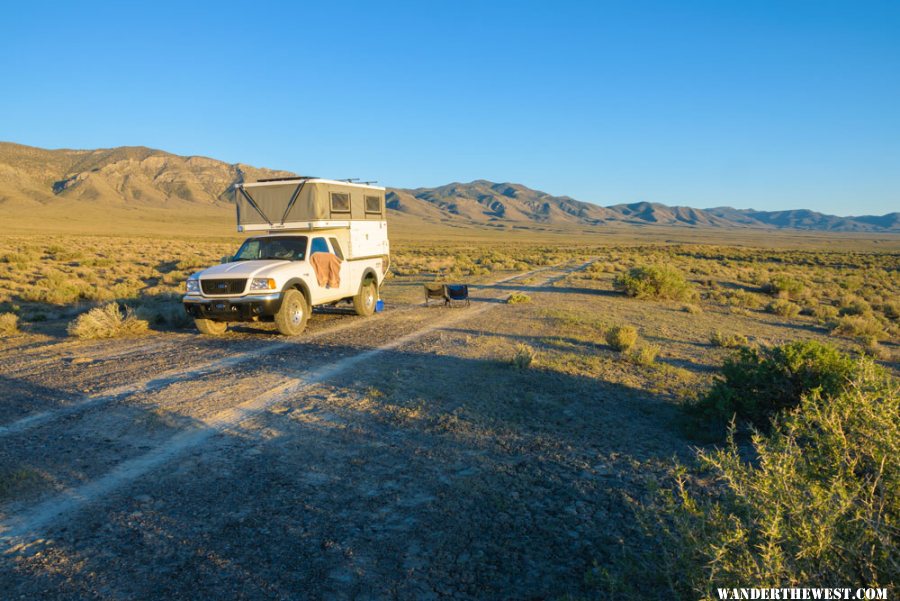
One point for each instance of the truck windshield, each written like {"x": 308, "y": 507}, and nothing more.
{"x": 286, "y": 248}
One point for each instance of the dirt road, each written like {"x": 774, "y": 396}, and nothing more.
{"x": 256, "y": 467}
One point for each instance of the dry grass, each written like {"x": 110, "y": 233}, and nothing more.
{"x": 9, "y": 324}
{"x": 524, "y": 357}
{"x": 108, "y": 321}
{"x": 727, "y": 340}
{"x": 860, "y": 327}
{"x": 517, "y": 298}
{"x": 14, "y": 480}
{"x": 646, "y": 354}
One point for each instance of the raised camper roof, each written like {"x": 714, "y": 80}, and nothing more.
{"x": 306, "y": 203}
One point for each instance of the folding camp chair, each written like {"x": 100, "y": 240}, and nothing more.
{"x": 456, "y": 292}
{"x": 434, "y": 291}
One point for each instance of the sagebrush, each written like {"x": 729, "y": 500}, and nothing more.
{"x": 818, "y": 505}
{"x": 108, "y": 321}
{"x": 655, "y": 281}
{"x": 756, "y": 383}
{"x": 622, "y": 338}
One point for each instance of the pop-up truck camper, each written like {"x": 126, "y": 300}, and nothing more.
{"x": 314, "y": 242}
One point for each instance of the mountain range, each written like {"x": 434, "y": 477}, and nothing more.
{"x": 139, "y": 177}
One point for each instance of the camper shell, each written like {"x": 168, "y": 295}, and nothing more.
{"x": 275, "y": 276}
{"x": 302, "y": 203}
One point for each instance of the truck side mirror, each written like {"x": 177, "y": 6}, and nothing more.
{"x": 226, "y": 259}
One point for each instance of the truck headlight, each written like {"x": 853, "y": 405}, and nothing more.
{"x": 262, "y": 284}
{"x": 192, "y": 286}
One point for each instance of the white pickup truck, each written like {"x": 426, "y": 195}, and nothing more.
{"x": 277, "y": 275}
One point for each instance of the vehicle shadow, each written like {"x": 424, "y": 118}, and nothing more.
{"x": 552, "y": 289}
{"x": 537, "y": 340}
{"x": 163, "y": 311}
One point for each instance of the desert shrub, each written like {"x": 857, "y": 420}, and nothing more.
{"x": 757, "y": 383}
{"x": 783, "y": 307}
{"x": 858, "y": 326}
{"x": 818, "y": 503}
{"x": 55, "y": 288}
{"x": 21, "y": 259}
{"x": 736, "y": 298}
{"x": 851, "y": 283}
{"x": 854, "y": 305}
{"x": 622, "y": 338}
{"x": 742, "y": 298}
{"x": 517, "y": 298}
{"x": 9, "y": 324}
{"x": 523, "y": 357}
{"x": 108, "y": 321}
{"x": 727, "y": 340}
{"x": 785, "y": 287}
{"x": 869, "y": 346}
{"x": 645, "y": 355}
{"x": 824, "y": 313}
{"x": 655, "y": 281}
{"x": 692, "y": 309}
{"x": 891, "y": 310}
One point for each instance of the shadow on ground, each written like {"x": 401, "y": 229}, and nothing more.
{"x": 410, "y": 475}
{"x": 552, "y": 289}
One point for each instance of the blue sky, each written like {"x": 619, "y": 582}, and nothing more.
{"x": 764, "y": 104}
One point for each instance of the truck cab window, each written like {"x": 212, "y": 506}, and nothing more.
{"x": 337, "y": 248}
{"x": 248, "y": 251}
{"x": 289, "y": 248}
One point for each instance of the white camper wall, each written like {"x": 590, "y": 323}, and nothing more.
{"x": 368, "y": 239}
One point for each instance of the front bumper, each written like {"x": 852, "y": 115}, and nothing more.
{"x": 236, "y": 308}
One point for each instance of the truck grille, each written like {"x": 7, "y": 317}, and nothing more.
{"x": 223, "y": 286}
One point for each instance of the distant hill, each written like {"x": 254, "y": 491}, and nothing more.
{"x": 484, "y": 202}
{"x": 136, "y": 178}
{"x": 127, "y": 175}
{"x": 481, "y": 201}
{"x": 804, "y": 219}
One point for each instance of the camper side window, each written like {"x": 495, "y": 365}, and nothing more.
{"x": 373, "y": 204}
{"x": 340, "y": 202}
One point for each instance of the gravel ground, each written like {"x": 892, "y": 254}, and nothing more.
{"x": 367, "y": 459}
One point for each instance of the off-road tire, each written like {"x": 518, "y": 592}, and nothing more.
{"x": 210, "y": 327}
{"x": 365, "y": 299}
{"x": 291, "y": 318}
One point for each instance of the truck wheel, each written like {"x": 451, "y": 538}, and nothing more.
{"x": 364, "y": 301}
{"x": 293, "y": 314}
{"x": 210, "y": 327}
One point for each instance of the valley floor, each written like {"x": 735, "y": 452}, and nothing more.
{"x": 412, "y": 455}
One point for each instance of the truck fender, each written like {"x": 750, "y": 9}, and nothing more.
{"x": 368, "y": 274}
{"x": 300, "y": 285}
